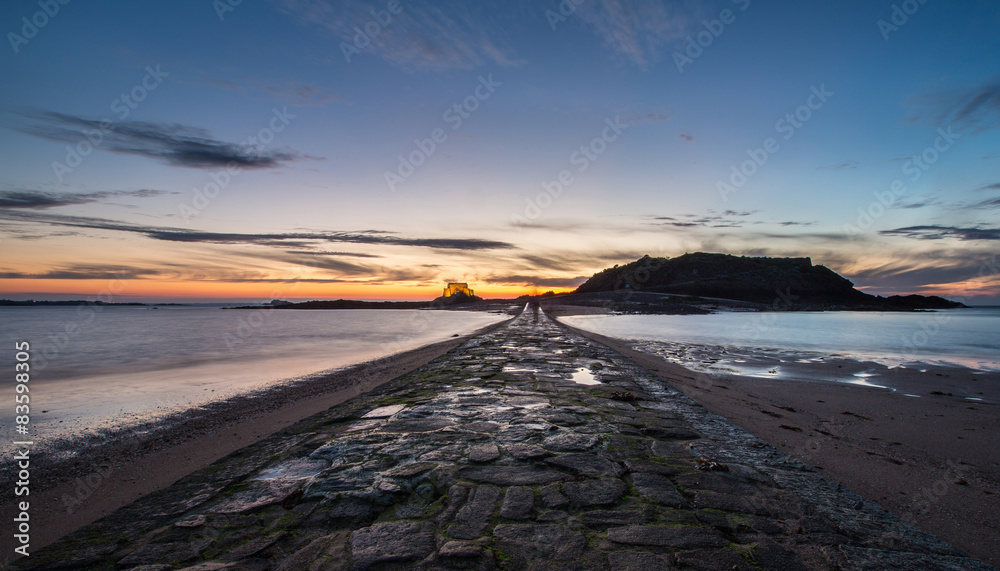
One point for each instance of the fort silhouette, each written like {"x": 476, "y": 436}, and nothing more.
{"x": 453, "y": 289}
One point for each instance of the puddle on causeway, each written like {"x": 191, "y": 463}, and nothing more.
{"x": 864, "y": 383}
{"x": 583, "y": 376}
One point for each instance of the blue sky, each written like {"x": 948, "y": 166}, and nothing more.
{"x": 260, "y": 99}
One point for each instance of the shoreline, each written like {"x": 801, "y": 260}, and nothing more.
{"x": 121, "y": 468}
{"x": 932, "y": 461}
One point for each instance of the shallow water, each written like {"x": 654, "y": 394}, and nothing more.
{"x": 93, "y": 367}
{"x": 964, "y": 337}
{"x": 584, "y": 376}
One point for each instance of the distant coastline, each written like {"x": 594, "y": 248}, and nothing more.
{"x": 689, "y": 284}
{"x": 70, "y": 302}
{"x": 338, "y": 304}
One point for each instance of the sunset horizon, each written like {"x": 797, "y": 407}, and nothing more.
{"x": 469, "y": 145}
{"x": 119, "y": 287}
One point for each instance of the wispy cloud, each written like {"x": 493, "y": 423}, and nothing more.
{"x": 648, "y": 117}
{"x": 852, "y": 165}
{"x": 40, "y": 200}
{"x": 935, "y": 202}
{"x": 535, "y": 281}
{"x": 988, "y": 203}
{"x": 301, "y": 272}
{"x": 936, "y": 232}
{"x": 178, "y": 145}
{"x": 636, "y": 30}
{"x": 919, "y": 203}
{"x": 943, "y": 271}
{"x": 714, "y": 219}
{"x": 820, "y": 237}
{"x": 990, "y": 187}
{"x": 323, "y": 261}
{"x": 444, "y": 34}
{"x": 86, "y": 272}
{"x": 340, "y": 254}
{"x": 289, "y": 239}
{"x": 975, "y": 108}
{"x": 574, "y": 262}
{"x": 299, "y": 95}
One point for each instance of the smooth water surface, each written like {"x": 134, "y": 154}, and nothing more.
{"x": 967, "y": 337}
{"x": 95, "y": 366}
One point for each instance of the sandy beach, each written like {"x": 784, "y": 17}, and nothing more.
{"x": 931, "y": 459}
{"x": 104, "y": 476}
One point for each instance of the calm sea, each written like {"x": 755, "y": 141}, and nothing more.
{"x": 96, "y": 366}
{"x": 966, "y": 337}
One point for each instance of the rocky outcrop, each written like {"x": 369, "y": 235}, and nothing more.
{"x": 455, "y": 299}
{"x": 791, "y": 283}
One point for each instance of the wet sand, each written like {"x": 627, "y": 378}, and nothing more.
{"x": 932, "y": 459}
{"x": 106, "y": 475}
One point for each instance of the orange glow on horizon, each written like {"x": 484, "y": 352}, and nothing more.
{"x": 986, "y": 286}
{"x": 973, "y": 288}
{"x": 129, "y": 289}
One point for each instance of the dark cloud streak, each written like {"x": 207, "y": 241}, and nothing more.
{"x": 86, "y": 272}
{"x": 976, "y": 108}
{"x": 536, "y": 281}
{"x": 936, "y": 232}
{"x": 297, "y": 239}
{"x": 342, "y": 254}
{"x": 175, "y": 144}
{"x": 40, "y": 200}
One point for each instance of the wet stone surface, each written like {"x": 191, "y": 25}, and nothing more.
{"x": 493, "y": 457}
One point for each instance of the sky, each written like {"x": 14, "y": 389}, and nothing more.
{"x": 312, "y": 149}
